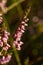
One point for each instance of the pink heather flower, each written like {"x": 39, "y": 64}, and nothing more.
{"x": 17, "y": 36}
{"x": 6, "y": 59}
{"x": 4, "y": 40}
{"x": 26, "y": 20}
{"x": 1, "y": 19}
{"x": 5, "y": 48}
{"x": 6, "y": 36}
{"x": 20, "y": 43}
{"x": 18, "y": 39}
{"x": 3, "y": 60}
{"x": 22, "y": 31}
{"x": 18, "y": 48}
{"x": 22, "y": 27}
{"x": 1, "y": 43}
{"x": 7, "y": 33}
{"x": 26, "y": 24}
{"x": 8, "y": 46}
{"x": 4, "y": 1}
{"x": 22, "y": 22}
{"x": 15, "y": 42}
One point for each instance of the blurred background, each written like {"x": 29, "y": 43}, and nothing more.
{"x": 31, "y": 52}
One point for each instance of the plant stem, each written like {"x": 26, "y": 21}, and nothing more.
{"x": 14, "y": 5}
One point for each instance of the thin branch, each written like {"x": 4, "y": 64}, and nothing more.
{"x": 13, "y": 5}
{"x": 28, "y": 11}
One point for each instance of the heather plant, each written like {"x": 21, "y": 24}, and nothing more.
{"x": 19, "y": 31}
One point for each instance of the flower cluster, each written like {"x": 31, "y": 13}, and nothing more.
{"x": 20, "y": 30}
{"x": 4, "y": 43}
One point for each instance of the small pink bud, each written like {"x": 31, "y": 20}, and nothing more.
{"x": 8, "y": 45}
{"x": 19, "y": 28}
{"x": 7, "y": 33}
{"x": 18, "y": 38}
{"x": 22, "y": 31}
{"x": 1, "y": 43}
{"x": 15, "y": 42}
{"x": 22, "y": 22}
{"x": 21, "y": 42}
{"x": 26, "y": 24}
{"x": 27, "y": 19}
{"x": 23, "y": 27}
{"x": 19, "y": 48}
{"x": 5, "y": 48}
{"x": 4, "y": 39}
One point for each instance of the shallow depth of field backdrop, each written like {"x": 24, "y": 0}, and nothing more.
{"x": 31, "y": 52}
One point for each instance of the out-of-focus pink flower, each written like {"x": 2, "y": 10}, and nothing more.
{"x": 3, "y": 5}
{"x": 4, "y": 1}
{"x": 35, "y": 19}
